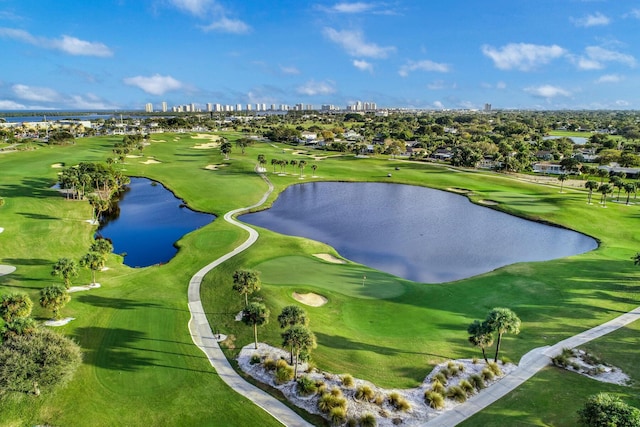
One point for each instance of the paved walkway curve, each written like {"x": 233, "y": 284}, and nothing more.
{"x": 203, "y": 336}
{"x": 529, "y": 365}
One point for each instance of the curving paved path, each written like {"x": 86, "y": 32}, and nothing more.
{"x": 203, "y": 336}
{"x": 529, "y": 365}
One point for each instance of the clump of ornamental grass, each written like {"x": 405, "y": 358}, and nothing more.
{"x": 434, "y": 399}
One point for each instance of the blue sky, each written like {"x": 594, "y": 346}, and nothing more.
{"x": 121, "y": 54}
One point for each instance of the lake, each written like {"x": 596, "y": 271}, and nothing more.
{"x": 149, "y": 222}
{"x": 417, "y": 233}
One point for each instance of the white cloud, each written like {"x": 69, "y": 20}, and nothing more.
{"x": 436, "y": 85}
{"x": 635, "y": 13}
{"x": 354, "y": 44}
{"x": 597, "y": 19}
{"x": 226, "y": 25}
{"x": 312, "y": 88}
{"x": 154, "y": 85}
{"x": 32, "y": 93}
{"x": 289, "y": 70}
{"x": 595, "y": 58}
{"x": 424, "y": 65}
{"x": 439, "y": 105}
{"x": 195, "y": 7}
{"x": 610, "y": 78}
{"x": 522, "y": 56}
{"x": 6, "y": 104}
{"x": 622, "y": 103}
{"x": 66, "y": 44}
{"x": 547, "y": 91}
{"x": 363, "y": 65}
{"x": 88, "y": 102}
{"x": 357, "y": 7}
{"x": 501, "y": 85}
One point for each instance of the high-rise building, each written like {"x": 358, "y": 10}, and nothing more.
{"x": 164, "y": 106}
{"x": 209, "y": 107}
{"x": 487, "y": 107}
{"x": 148, "y": 108}
{"x": 238, "y": 107}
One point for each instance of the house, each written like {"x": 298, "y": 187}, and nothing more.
{"x": 549, "y": 168}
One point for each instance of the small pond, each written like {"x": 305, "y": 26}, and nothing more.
{"x": 147, "y": 223}
{"x": 576, "y": 139}
{"x": 418, "y": 233}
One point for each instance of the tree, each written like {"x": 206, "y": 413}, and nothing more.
{"x": 261, "y": 160}
{"x": 18, "y": 326}
{"x": 42, "y": 359}
{"x": 292, "y": 315}
{"x": 562, "y": 178}
{"x": 618, "y": 183}
{"x": 225, "y": 149}
{"x": 94, "y": 261}
{"x": 301, "y": 165}
{"x": 502, "y": 321}
{"x": 14, "y": 306}
{"x": 255, "y": 314}
{"x": 480, "y": 336}
{"x": 293, "y": 163}
{"x": 313, "y": 168}
{"x": 604, "y": 189}
{"x": 636, "y": 259}
{"x": 246, "y": 282}
{"x": 54, "y": 298}
{"x": 102, "y": 246}
{"x": 629, "y": 188}
{"x": 590, "y": 185}
{"x": 602, "y": 173}
{"x": 274, "y": 162}
{"x": 606, "y": 410}
{"x": 67, "y": 269}
{"x": 299, "y": 338}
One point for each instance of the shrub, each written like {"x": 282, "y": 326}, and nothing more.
{"x": 306, "y": 386}
{"x": 368, "y": 420}
{"x": 487, "y": 374}
{"x": 281, "y": 363}
{"x": 336, "y": 392}
{"x": 474, "y": 360}
{"x": 477, "y": 381}
{"x": 434, "y": 399}
{"x": 456, "y": 393}
{"x": 255, "y": 358}
{"x": 608, "y": 410}
{"x": 321, "y": 386}
{"x": 591, "y": 359}
{"x": 495, "y": 368}
{"x": 379, "y": 399}
{"x": 437, "y": 386}
{"x": 352, "y": 422}
{"x": 460, "y": 367}
{"x": 467, "y": 387}
{"x": 441, "y": 377}
{"x": 347, "y": 380}
{"x": 451, "y": 365}
{"x": 284, "y": 374}
{"x": 504, "y": 360}
{"x": 446, "y": 372}
{"x": 399, "y": 402}
{"x": 364, "y": 392}
{"x": 337, "y": 416}
{"x": 560, "y": 360}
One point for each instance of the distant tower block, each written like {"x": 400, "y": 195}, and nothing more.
{"x": 487, "y": 107}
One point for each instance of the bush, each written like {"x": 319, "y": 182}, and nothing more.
{"x": 451, "y": 365}
{"x": 328, "y": 401}
{"x": 437, "y": 386}
{"x": 460, "y": 367}
{"x": 347, "y": 380}
{"x": 352, "y": 422}
{"x": 487, "y": 374}
{"x": 607, "y": 410}
{"x": 255, "y": 358}
{"x": 269, "y": 364}
{"x": 281, "y": 363}
{"x": 368, "y": 420}
{"x": 321, "y": 386}
{"x": 337, "y": 416}
{"x": 364, "y": 392}
{"x": 467, "y": 387}
{"x": 399, "y": 402}
{"x": 456, "y": 393}
{"x": 495, "y": 368}
{"x": 379, "y": 399}
{"x": 446, "y": 372}
{"x": 306, "y": 386}
{"x": 336, "y": 392}
{"x": 442, "y": 378}
{"x": 477, "y": 381}
{"x": 284, "y": 374}
{"x": 434, "y": 399}
{"x": 474, "y": 360}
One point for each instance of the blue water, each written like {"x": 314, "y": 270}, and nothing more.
{"x": 417, "y": 233}
{"x": 150, "y": 222}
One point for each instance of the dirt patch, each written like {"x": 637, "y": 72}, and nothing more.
{"x": 458, "y": 190}
{"x": 6, "y": 269}
{"x": 57, "y": 165}
{"x": 206, "y": 136}
{"x": 214, "y": 167}
{"x": 330, "y": 258}
{"x": 150, "y": 162}
{"x": 310, "y": 299}
{"x": 206, "y": 146}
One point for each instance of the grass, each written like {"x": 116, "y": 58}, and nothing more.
{"x": 140, "y": 364}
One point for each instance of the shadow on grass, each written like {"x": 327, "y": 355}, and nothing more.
{"x": 119, "y": 303}
{"x": 31, "y": 215}
{"x": 334, "y": 341}
{"x": 27, "y": 261}
{"x": 29, "y": 187}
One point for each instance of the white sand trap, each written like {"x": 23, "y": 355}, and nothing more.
{"x": 206, "y": 146}
{"x": 92, "y": 221}
{"x": 132, "y": 156}
{"x": 261, "y": 170}
{"x": 239, "y": 316}
{"x": 488, "y": 202}
{"x": 214, "y": 167}
{"x": 150, "y": 162}
{"x": 60, "y": 322}
{"x": 314, "y": 300}
{"x": 159, "y": 140}
{"x": 83, "y": 288}
{"x": 6, "y": 269}
{"x": 104, "y": 269}
{"x": 330, "y": 258}
{"x": 206, "y": 136}
{"x": 1, "y": 229}
{"x": 57, "y": 165}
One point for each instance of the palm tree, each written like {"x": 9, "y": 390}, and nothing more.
{"x": 301, "y": 165}
{"x": 602, "y": 173}
{"x": 15, "y": 306}
{"x": 299, "y": 338}
{"x": 629, "y": 188}
{"x": 283, "y": 166}
{"x": 261, "y": 160}
{"x": 314, "y": 167}
{"x": 562, "y": 178}
{"x": 94, "y": 261}
{"x": 255, "y": 314}
{"x": 604, "y": 189}
{"x": 274, "y": 162}
{"x": 225, "y": 149}
{"x": 636, "y": 259}
{"x": 590, "y": 185}
{"x": 246, "y": 282}
{"x": 54, "y": 298}
{"x": 67, "y": 269}
{"x": 502, "y": 321}
{"x": 102, "y": 246}
{"x": 292, "y": 315}
{"x": 480, "y": 336}
{"x": 293, "y": 163}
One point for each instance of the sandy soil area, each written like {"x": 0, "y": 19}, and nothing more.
{"x": 488, "y": 202}
{"x": 6, "y": 269}
{"x": 133, "y": 156}
{"x": 150, "y": 162}
{"x": 330, "y": 258}
{"x": 59, "y": 322}
{"x": 83, "y": 288}
{"x": 214, "y": 167}
{"x": 206, "y": 136}
{"x": 310, "y": 299}
{"x": 57, "y": 165}
{"x": 206, "y": 145}
{"x": 1, "y": 229}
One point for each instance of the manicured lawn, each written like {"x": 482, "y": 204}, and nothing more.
{"x": 140, "y": 364}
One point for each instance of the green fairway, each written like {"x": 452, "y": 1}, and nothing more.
{"x": 140, "y": 365}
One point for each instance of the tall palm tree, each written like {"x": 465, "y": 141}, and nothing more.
{"x": 274, "y": 162}
{"x": 301, "y": 165}
{"x": 299, "y": 338}
{"x": 604, "y": 189}
{"x": 225, "y": 148}
{"x": 562, "y": 178}
{"x": 67, "y": 269}
{"x": 292, "y": 315}
{"x": 94, "y": 261}
{"x": 480, "y": 336}
{"x": 293, "y": 163}
{"x": 255, "y": 314}
{"x": 314, "y": 167}
{"x": 54, "y": 298}
{"x": 246, "y": 282}
{"x": 602, "y": 173}
{"x": 629, "y": 188}
{"x": 590, "y": 185}
{"x": 502, "y": 320}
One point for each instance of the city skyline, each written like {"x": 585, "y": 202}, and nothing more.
{"x": 120, "y": 55}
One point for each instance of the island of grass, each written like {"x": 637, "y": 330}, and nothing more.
{"x": 140, "y": 366}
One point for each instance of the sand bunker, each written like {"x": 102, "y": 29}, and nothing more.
{"x": 6, "y": 269}
{"x": 1, "y": 229}
{"x": 132, "y": 156}
{"x": 206, "y": 146}
{"x": 57, "y": 165}
{"x": 206, "y": 136}
{"x": 150, "y": 162}
{"x": 214, "y": 167}
{"x": 488, "y": 202}
{"x": 330, "y": 258}
{"x": 459, "y": 190}
{"x": 83, "y": 288}
{"x": 311, "y": 299}
{"x": 59, "y": 322}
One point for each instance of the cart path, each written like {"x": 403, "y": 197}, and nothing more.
{"x": 529, "y": 365}
{"x": 203, "y": 336}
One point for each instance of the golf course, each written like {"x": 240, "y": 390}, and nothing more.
{"x": 140, "y": 366}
